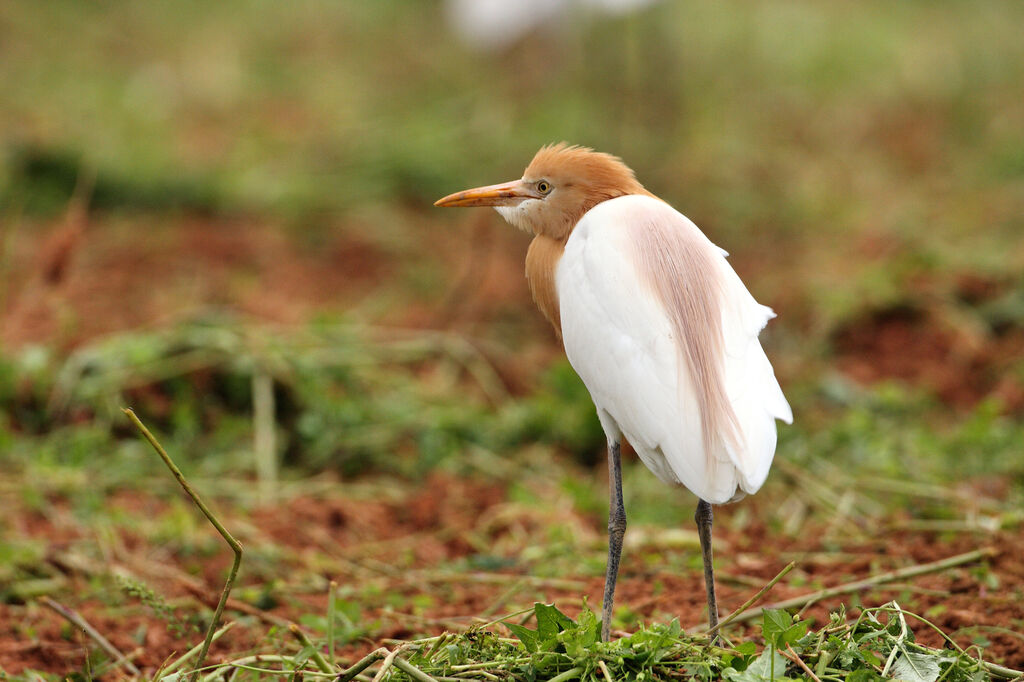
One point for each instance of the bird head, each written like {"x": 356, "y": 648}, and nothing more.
{"x": 561, "y": 184}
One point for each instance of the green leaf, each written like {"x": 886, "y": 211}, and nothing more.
{"x": 527, "y": 636}
{"x": 746, "y": 648}
{"x": 550, "y": 621}
{"x": 794, "y": 632}
{"x": 303, "y": 655}
{"x": 863, "y": 675}
{"x": 915, "y": 667}
{"x": 869, "y": 657}
{"x": 775, "y": 622}
{"x": 760, "y": 670}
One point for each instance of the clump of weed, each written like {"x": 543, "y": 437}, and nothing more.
{"x": 136, "y": 589}
{"x": 879, "y": 644}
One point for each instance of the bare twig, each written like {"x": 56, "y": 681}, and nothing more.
{"x": 263, "y": 441}
{"x": 857, "y": 585}
{"x": 792, "y": 655}
{"x": 502, "y": 599}
{"x": 76, "y": 619}
{"x": 771, "y": 583}
{"x": 235, "y": 546}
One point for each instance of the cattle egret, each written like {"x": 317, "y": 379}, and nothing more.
{"x": 658, "y": 326}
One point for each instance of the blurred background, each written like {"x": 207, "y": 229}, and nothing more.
{"x": 220, "y": 214}
{"x": 184, "y": 171}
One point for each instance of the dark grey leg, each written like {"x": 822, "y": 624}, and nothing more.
{"x": 616, "y": 529}
{"x": 704, "y": 517}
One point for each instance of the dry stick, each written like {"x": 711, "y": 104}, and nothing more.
{"x": 857, "y": 585}
{"x": 76, "y": 619}
{"x": 502, "y": 598}
{"x": 317, "y": 657}
{"x": 88, "y": 663}
{"x": 760, "y": 593}
{"x": 263, "y": 442}
{"x": 793, "y": 656}
{"x": 236, "y": 547}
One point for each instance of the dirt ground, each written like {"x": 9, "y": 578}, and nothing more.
{"x": 401, "y": 547}
{"x": 69, "y": 282}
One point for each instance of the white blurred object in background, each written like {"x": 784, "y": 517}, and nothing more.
{"x": 495, "y": 24}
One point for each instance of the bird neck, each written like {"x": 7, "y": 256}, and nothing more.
{"x": 541, "y": 263}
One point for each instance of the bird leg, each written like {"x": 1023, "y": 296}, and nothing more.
{"x": 704, "y": 517}
{"x": 616, "y": 529}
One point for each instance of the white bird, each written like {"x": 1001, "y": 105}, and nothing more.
{"x": 496, "y": 24}
{"x": 658, "y": 326}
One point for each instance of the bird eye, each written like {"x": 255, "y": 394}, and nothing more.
{"x": 543, "y": 186}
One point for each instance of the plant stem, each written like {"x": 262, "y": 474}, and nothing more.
{"x": 857, "y": 585}
{"x": 569, "y": 674}
{"x": 263, "y": 439}
{"x": 388, "y": 662}
{"x": 332, "y": 588}
{"x": 193, "y": 651}
{"x": 413, "y": 671}
{"x": 792, "y": 655}
{"x": 362, "y": 664}
{"x": 771, "y": 583}
{"x": 76, "y": 619}
{"x": 317, "y": 657}
{"x": 235, "y": 546}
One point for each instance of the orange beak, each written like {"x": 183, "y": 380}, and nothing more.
{"x": 503, "y": 194}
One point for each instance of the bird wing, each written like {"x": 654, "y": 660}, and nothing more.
{"x": 664, "y": 335}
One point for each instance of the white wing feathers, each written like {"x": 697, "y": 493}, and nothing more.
{"x": 664, "y": 335}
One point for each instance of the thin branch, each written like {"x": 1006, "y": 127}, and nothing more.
{"x": 793, "y": 656}
{"x": 235, "y": 546}
{"x": 881, "y": 578}
{"x": 76, "y": 619}
{"x": 760, "y": 593}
